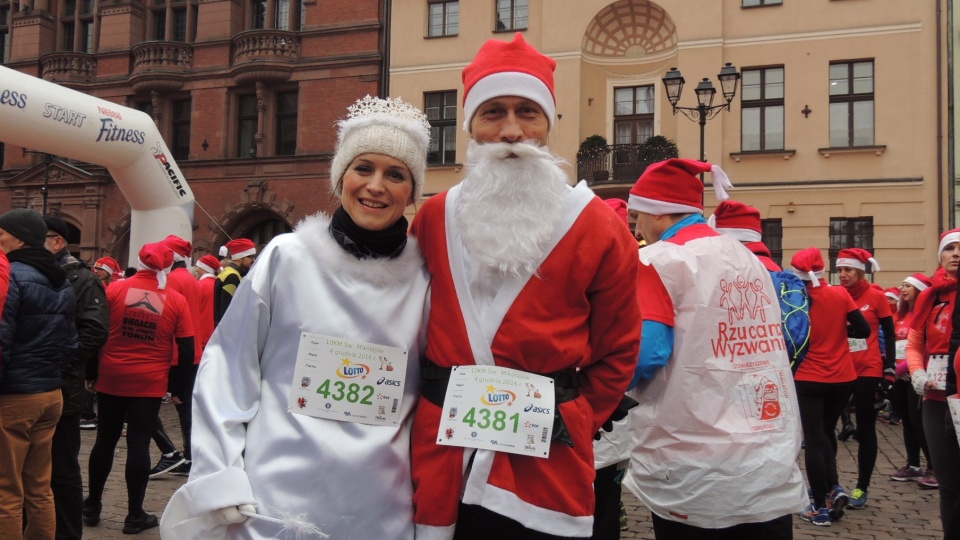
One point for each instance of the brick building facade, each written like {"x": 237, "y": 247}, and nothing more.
{"x": 245, "y": 93}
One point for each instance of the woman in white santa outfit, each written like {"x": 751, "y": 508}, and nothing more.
{"x": 305, "y": 390}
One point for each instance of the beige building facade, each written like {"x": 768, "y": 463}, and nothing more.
{"x": 837, "y": 131}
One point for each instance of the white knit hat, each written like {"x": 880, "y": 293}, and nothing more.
{"x": 390, "y": 127}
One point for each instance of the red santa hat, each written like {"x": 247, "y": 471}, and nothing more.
{"x": 209, "y": 264}
{"x": 946, "y": 239}
{"x": 738, "y": 220}
{"x": 808, "y": 265}
{"x": 857, "y": 258}
{"x": 509, "y": 68}
{"x": 182, "y": 249}
{"x": 620, "y": 207}
{"x": 109, "y": 265}
{"x": 892, "y": 293}
{"x": 919, "y": 281}
{"x": 672, "y": 187}
{"x": 156, "y": 257}
{"x": 238, "y": 249}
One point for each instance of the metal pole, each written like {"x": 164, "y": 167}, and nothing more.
{"x": 703, "y": 157}
{"x": 44, "y": 191}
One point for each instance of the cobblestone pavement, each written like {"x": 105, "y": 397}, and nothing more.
{"x": 894, "y": 510}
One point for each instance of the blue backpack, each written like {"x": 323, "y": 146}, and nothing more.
{"x": 795, "y": 315}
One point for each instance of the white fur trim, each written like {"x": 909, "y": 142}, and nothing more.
{"x": 892, "y": 296}
{"x": 434, "y": 532}
{"x": 313, "y": 231}
{"x": 851, "y": 263}
{"x": 161, "y": 274}
{"x": 224, "y": 251}
{"x": 508, "y": 83}
{"x": 721, "y": 182}
{"x": 947, "y": 240}
{"x": 205, "y": 268}
{"x": 811, "y": 276}
{"x": 917, "y": 284}
{"x": 247, "y": 253}
{"x": 659, "y": 208}
{"x": 743, "y": 235}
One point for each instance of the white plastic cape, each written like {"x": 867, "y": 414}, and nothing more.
{"x": 350, "y": 480}
{"x": 717, "y": 432}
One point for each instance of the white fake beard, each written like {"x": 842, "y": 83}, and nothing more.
{"x": 509, "y": 206}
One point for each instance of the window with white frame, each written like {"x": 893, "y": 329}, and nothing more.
{"x": 761, "y": 113}
{"x": 851, "y": 103}
{"x": 441, "y": 110}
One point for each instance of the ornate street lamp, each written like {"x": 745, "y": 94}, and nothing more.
{"x": 705, "y": 110}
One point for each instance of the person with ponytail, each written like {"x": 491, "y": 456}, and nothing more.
{"x": 312, "y": 433}
{"x": 931, "y": 346}
{"x": 906, "y": 401}
{"x": 824, "y": 382}
{"x": 150, "y": 326}
{"x": 875, "y": 370}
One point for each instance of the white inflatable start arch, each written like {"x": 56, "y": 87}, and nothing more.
{"x": 50, "y": 118}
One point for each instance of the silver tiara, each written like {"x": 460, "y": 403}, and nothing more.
{"x": 396, "y": 107}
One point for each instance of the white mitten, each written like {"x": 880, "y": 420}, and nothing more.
{"x": 231, "y": 514}
{"x": 919, "y": 380}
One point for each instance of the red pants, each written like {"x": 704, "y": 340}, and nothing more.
{"x": 27, "y": 423}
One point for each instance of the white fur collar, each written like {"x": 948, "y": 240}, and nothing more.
{"x": 314, "y": 232}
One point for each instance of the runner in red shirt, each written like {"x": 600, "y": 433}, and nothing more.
{"x": 148, "y": 323}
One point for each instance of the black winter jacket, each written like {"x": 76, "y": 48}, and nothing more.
{"x": 92, "y": 318}
{"x": 37, "y": 330}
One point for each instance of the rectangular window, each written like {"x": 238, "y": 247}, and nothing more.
{"x": 181, "y": 129}
{"x": 303, "y": 15}
{"x": 848, "y": 233}
{"x": 851, "y": 104}
{"x": 441, "y": 109}
{"x": 67, "y": 40}
{"x": 283, "y": 14}
{"x": 259, "y": 14}
{"x": 755, "y": 3}
{"x": 86, "y": 36}
{"x": 771, "y": 231}
{"x": 511, "y": 15}
{"x": 160, "y": 25}
{"x": 70, "y": 8}
{"x": 246, "y": 126}
{"x": 761, "y": 117}
{"x": 444, "y": 19}
{"x": 4, "y": 32}
{"x": 180, "y": 25}
{"x": 286, "y": 124}
{"x": 145, "y": 107}
{"x": 633, "y": 108}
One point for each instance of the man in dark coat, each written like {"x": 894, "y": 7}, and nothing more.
{"x": 38, "y": 339}
{"x": 93, "y": 324}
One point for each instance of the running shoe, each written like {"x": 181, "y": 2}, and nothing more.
{"x": 848, "y": 430}
{"x": 819, "y": 517}
{"x": 91, "y": 512}
{"x": 138, "y": 524}
{"x": 906, "y": 474}
{"x": 182, "y": 469}
{"x": 929, "y": 480}
{"x": 858, "y": 499}
{"x": 88, "y": 423}
{"x": 837, "y": 500}
{"x": 167, "y": 464}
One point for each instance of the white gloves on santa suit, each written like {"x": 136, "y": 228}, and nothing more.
{"x": 231, "y": 514}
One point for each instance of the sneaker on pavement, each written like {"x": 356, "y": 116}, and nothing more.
{"x": 182, "y": 469}
{"x": 837, "y": 501}
{"x": 907, "y": 473}
{"x": 848, "y": 430}
{"x": 136, "y": 525}
{"x": 167, "y": 464}
{"x": 819, "y": 517}
{"x": 623, "y": 517}
{"x": 88, "y": 423}
{"x": 929, "y": 480}
{"x": 858, "y": 499}
{"x": 91, "y": 512}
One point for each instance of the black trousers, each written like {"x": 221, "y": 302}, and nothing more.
{"x": 864, "y": 397}
{"x": 780, "y": 528}
{"x": 66, "y": 478}
{"x": 478, "y": 523}
{"x": 606, "y": 515}
{"x": 140, "y": 413}
{"x": 820, "y": 405}
{"x": 907, "y": 404}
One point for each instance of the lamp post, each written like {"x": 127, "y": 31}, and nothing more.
{"x": 705, "y": 110}
{"x": 45, "y": 189}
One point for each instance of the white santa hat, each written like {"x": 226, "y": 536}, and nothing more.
{"x": 738, "y": 220}
{"x": 857, "y": 258}
{"x": 391, "y": 127}
{"x": 672, "y": 187}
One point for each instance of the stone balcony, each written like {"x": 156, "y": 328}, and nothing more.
{"x": 264, "y": 56}
{"x": 160, "y": 65}
{"x": 68, "y": 67}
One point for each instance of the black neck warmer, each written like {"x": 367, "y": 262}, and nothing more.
{"x": 362, "y": 243}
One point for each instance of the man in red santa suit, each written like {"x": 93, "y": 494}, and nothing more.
{"x": 532, "y": 275}
{"x": 716, "y": 433}
{"x": 208, "y": 267}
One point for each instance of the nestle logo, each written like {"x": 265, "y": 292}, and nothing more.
{"x": 108, "y": 112}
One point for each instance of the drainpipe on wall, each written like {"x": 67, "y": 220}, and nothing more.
{"x": 951, "y": 122}
{"x": 386, "y": 10}
{"x": 940, "y": 228}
